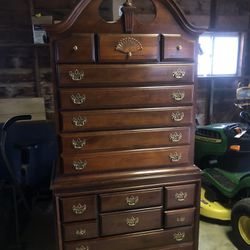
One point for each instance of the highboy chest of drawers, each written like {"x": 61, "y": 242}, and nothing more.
{"x": 125, "y": 92}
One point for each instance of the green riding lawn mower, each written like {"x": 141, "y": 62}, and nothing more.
{"x": 222, "y": 152}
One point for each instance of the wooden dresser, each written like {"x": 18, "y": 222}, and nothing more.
{"x": 124, "y": 93}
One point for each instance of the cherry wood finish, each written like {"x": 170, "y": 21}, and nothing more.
{"x": 178, "y": 48}
{"x": 78, "y": 48}
{"x": 124, "y": 139}
{"x": 101, "y": 98}
{"x": 80, "y": 230}
{"x": 180, "y": 217}
{"x": 131, "y": 221}
{"x": 78, "y": 208}
{"x": 125, "y": 114}
{"x": 121, "y": 160}
{"x": 125, "y": 119}
{"x": 138, "y": 241}
{"x": 135, "y": 75}
{"x": 180, "y": 196}
{"x": 149, "y": 52}
{"x": 130, "y": 200}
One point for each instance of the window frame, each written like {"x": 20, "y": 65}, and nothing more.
{"x": 241, "y": 36}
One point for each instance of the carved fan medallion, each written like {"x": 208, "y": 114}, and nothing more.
{"x": 129, "y": 45}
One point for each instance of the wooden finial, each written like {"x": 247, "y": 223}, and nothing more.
{"x": 128, "y": 3}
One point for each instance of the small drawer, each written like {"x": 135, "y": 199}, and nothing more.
{"x": 131, "y": 200}
{"x": 120, "y": 74}
{"x": 90, "y": 142}
{"x": 180, "y": 217}
{"x": 77, "y": 48}
{"x": 125, "y": 160}
{"x": 78, "y": 208}
{"x": 92, "y": 98}
{"x": 177, "y": 47}
{"x": 180, "y": 196}
{"x": 128, "y": 48}
{"x": 80, "y": 231}
{"x": 132, "y": 221}
{"x": 126, "y": 119}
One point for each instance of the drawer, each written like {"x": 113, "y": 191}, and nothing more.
{"x": 128, "y": 48}
{"x": 80, "y": 231}
{"x": 76, "y": 48}
{"x": 176, "y": 239}
{"x": 132, "y": 221}
{"x": 78, "y": 208}
{"x": 179, "y": 217}
{"x": 177, "y": 47}
{"x": 124, "y": 140}
{"x": 126, "y": 119}
{"x": 180, "y": 196}
{"x": 185, "y": 246}
{"x": 124, "y": 74}
{"x": 133, "y": 199}
{"x": 121, "y": 160}
{"x": 89, "y": 98}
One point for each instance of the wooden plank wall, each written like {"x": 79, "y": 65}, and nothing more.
{"x": 25, "y": 69}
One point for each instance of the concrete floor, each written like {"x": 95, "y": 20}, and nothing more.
{"x": 39, "y": 234}
{"x": 215, "y": 236}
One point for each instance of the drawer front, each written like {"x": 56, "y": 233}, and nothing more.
{"x": 124, "y": 140}
{"x": 130, "y": 200}
{"x": 78, "y": 208}
{"x": 128, "y": 48}
{"x": 177, "y": 47}
{"x": 80, "y": 231}
{"x": 127, "y": 222}
{"x": 126, "y": 119}
{"x": 180, "y": 196}
{"x": 177, "y": 239}
{"x": 134, "y": 159}
{"x": 180, "y": 217}
{"x": 96, "y": 75}
{"x": 89, "y": 98}
{"x": 185, "y": 246}
{"x": 77, "y": 48}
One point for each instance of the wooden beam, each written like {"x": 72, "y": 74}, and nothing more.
{"x": 213, "y": 14}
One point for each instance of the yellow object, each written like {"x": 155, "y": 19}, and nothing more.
{"x": 213, "y": 209}
{"x": 244, "y": 228}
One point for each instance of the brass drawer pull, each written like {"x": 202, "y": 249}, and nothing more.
{"x": 79, "y": 121}
{"x": 79, "y": 209}
{"x": 79, "y": 165}
{"x": 179, "y": 236}
{"x": 128, "y": 45}
{"x": 181, "y": 196}
{"x": 178, "y": 95}
{"x": 179, "y": 73}
{"x": 179, "y": 47}
{"x": 75, "y": 48}
{"x": 175, "y": 137}
{"x": 78, "y": 99}
{"x": 180, "y": 219}
{"x": 82, "y": 247}
{"x": 175, "y": 157}
{"x": 132, "y": 222}
{"x": 177, "y": 116}
{"x": 78, "y": 143}
{"x": 81, "y": 232}
{"x": 76, "y": 75}
{"x": 132, "y": 200}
